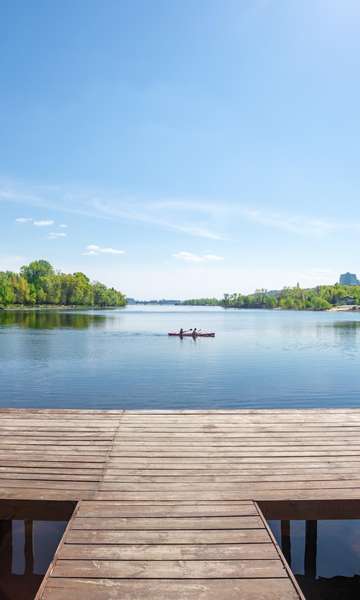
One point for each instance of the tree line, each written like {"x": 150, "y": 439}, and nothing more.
{"x": 321, "y": 297}
{"x": 202, "y": 302}
{"x": 39, "y": 284}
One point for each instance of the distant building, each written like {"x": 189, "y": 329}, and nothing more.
{"x": 349, "y": 279}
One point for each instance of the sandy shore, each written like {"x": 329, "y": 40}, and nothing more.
{"x": 345, "y": 308}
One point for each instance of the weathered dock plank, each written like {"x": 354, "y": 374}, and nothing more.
{"x": 166, "y": 589}
{"x": 167, "y": 501}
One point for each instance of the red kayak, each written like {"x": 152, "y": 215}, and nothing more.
{"x": 187, "y": 334}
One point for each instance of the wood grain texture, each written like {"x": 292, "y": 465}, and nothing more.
{"x": 167, "y": 498}
{"x": 162, "y": 589}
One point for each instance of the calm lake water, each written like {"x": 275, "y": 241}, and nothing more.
{"x": 323, "y": 555}
{"x": 124, "y": 359}
{"x": 27, "y": 546}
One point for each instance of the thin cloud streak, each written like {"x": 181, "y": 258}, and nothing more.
{"x": 197, "y": 218}
{"x": 94, "y": 250}
{"x": 35, "y": 222}
{"x": 44, "y": 223}
{"x": 142, "y": 216}
{"x": 95, "y": 207}
{"x": 297, "y": 224}
{"x": 56, "y": 235}
{"x": 197, "y": 258}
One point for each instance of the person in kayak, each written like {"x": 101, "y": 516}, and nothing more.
{"x": 182, "y": 332}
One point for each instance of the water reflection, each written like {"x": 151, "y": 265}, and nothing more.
{"x": 340, "y": 328}
{"x": 324, "y": 556}
{"x": 352, "y": 325}
{"x": 345, "y": 335}
{"x": 26, "y": 550}
{"x": 124, "y": 359}
{"x": 50, "y": 319}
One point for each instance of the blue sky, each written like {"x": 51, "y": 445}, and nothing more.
{"x": 181, "y": 148}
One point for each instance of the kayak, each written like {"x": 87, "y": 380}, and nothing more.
{"x": 200, "y": 334}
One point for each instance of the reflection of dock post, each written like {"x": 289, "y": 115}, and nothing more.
{"x": 286, "y": 541}
{"x": 5, "y": 547}
{"x": 310, "y": 549}
{"x": 29, "y": 552}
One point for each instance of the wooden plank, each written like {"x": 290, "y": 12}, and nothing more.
{"x": 238, "y": 471}
{"x": 201, "y": 445}
{"x": 299, "y": 494}
{"x": 199, "y": 536}
{"x": 253, "y": 488}
{"x": 204, "y": 463}
{"x": 158, "y": 569}
{"x": 116, "y": 510}
{"x": 66, "y": 455}
{"x": 52, "y": 484}
{"x": 199, "y": 589}
{"x": 39, "y": 494}
{"x": 152, "y": 523}
{"x": 216, "y": 454}
{"x": 172, "y": 503}
{"x": 169, "y": 552}
{"x": 228, "y": 478}
{"x": 236, "y": 439}
{"x": 50, "y": 477}
{"x": 233, "y": 427}
{"x": 39, "y": 464}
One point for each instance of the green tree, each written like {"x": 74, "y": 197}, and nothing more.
{"x": 21, "y": 289}
{"x": 7, "y": 293}
{"x": 38, "y": 283}
{"x": 36, "y": 270}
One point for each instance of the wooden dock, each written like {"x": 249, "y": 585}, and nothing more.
{"x": 169, "y": 504}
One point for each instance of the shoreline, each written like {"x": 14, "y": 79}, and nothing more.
{"x": 345, "y": 308}
{"x": 63, "y": 307}
{"x": 43, "y": 307}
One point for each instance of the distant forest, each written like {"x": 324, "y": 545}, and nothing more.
{"x": 322, "y": 297}
{"x": 39, "y": 284}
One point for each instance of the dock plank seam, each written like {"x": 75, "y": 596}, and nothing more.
{"x": 171, "y": 506}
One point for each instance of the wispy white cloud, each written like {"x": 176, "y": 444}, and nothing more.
{"x": 35, "y": 222}
{"x": 23, "y": 220}
{"x": 170, "y": 215}
{"x": 197, "y": 231}
{"x": 201, "y": 218}
{"x": 213, "y": 257}
{"x": 44, "y": 223}
{"x": 56, "y": 235}
{"x": 189, "y": 205}
{"x": 93, "y": 250}
{"x": 63, "y": 226}
{"x": 151, "y": 215}
{"x": 197, "y": 258}
{"x": 296, "y": 224}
